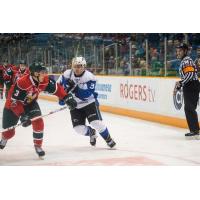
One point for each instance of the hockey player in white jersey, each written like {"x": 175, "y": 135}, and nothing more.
{"x": 82, "y": 84}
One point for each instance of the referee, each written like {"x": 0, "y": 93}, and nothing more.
{"x": 190, "y": 84}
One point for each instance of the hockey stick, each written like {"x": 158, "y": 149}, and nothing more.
{"x": 34, "y": 119}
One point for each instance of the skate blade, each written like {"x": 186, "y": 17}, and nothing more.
{"x": 41, "y": 157}
{"x": 112, "y": 148}
{"x": 195, "y": 137}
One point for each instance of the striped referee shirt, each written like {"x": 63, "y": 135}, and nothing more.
{"x": 187, "y": 71}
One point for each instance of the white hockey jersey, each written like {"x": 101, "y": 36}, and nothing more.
{"x": 85, "y": 91}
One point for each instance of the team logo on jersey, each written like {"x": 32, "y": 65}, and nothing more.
{"x": 178, "y": 99}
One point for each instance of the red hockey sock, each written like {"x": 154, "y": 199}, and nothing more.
{"x": 38, "y": 127}
{"x": 8, "y": 134}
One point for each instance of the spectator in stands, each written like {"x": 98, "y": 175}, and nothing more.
{"x": 154, "y": 54}
{"x": 174, "y": 64}
{"x": 126, "y": 68}
{"x": 142, "y": 63}
{"x": 124, "y": 48}
{"x": 111, "y": 62}
{"x": 140, "y": 52}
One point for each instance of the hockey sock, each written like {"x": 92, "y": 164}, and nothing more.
{"x": 105, "y": 134}
{"x": 8, "y": 134}
{"x": 38, "y": 127}
{"x": 37, "y": 139}
{"x": 88, "y": 131}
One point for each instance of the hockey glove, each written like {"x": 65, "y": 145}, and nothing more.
{"x": 71, "y": 86}
{"x": 70, "y": 102}
{"x": 25, "y": 120}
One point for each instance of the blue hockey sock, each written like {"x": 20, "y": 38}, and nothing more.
{"x": 105, "y": 134}
{"x": 88, "y": 131}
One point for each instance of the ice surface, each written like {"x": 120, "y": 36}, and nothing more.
{"x": 138, "y": 143}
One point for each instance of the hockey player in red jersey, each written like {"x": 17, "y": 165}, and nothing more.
{"x": 13, "y": 73}
{"x": 7, "y": 81}
{"x": 22, "y": 104}
{"x": 3, "y": 68}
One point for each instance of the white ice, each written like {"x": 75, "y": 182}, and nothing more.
{"x": 139, "y": 142}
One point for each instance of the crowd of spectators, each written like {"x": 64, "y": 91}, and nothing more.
{"x": 124, "y": 53}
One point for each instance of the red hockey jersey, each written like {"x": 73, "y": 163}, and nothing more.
{"x": 26, "y": 90}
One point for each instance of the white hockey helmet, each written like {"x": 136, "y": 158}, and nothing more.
{"x": 79, "y": 61}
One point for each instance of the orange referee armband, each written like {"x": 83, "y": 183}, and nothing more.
{"x": 188, "y": 69}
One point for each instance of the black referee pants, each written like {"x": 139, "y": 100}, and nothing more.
{"x": 191, "y": 97}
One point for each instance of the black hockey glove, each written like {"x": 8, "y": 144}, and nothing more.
{"x": 71, "y": 86}
{"x": 25, "y": 120}
{"x": 70, "y": 101}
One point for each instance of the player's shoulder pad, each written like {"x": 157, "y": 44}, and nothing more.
{"x": 24, "y": 82}
{"x": 89, "y": 76}
{"x": 67, "y": 73}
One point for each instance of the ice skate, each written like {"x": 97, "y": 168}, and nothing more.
{"x": 40, "y": 152}
{"x": 93, "y": 137}
{"x": 110, "y": 142}
{"x": 192, "y": 135}
{"x": 3, "y": 143}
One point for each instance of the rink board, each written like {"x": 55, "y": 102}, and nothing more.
{"x": 148, "y": 98}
